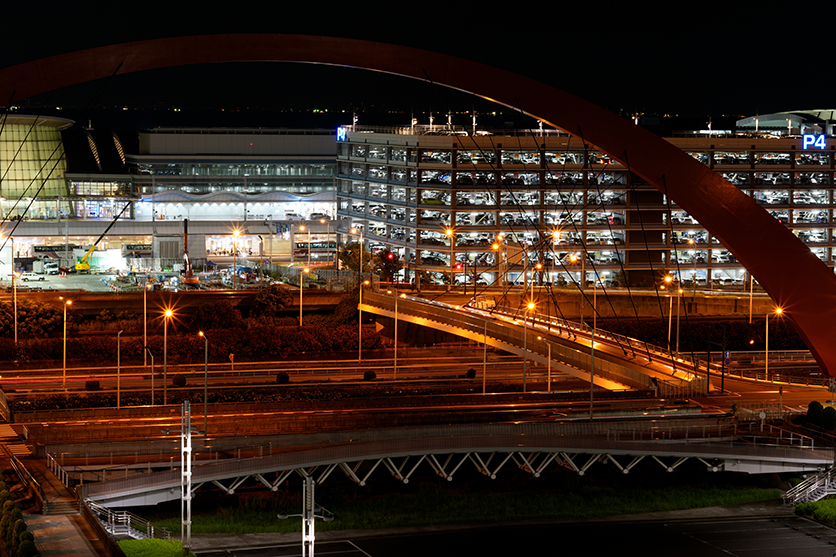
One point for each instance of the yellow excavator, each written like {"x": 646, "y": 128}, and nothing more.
{"x": 83, "y": 265}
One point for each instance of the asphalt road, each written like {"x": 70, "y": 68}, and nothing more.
{"x": 762, "y": 537}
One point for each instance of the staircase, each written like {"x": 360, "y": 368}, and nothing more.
{"x": 12, "y": 442}
{"x": 814, "y": 488}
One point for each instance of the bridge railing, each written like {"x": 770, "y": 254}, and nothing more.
{"x": 448, "y": 315}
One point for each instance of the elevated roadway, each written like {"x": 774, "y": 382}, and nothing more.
{"x": 615, "y": 363}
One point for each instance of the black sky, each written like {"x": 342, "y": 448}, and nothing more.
{"x": 687, "y": 59}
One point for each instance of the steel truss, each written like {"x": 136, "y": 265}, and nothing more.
{"x": 446, "y": 465}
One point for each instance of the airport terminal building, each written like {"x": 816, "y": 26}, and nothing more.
{"x": 481, "y": 206}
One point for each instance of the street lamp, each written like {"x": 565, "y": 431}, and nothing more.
{"x": 693, "y": 245}
{"x": 528, "y": 308}
{"x": 166, "y": 316}
{"x": 64, "y": 375}
{"x": 451, "y": 233}
{"x": 205, "y": 377}
{"x": 118, "y": 369}
{"x": 360, "y": 286}
{"x": 310, "y": 247}
{"x": 145, "y": 322}
{"x": 500, "y": 262}
{"x": 328, "y": 238}
{"x": 395, "y": 375}
{"x": 669, "y": 283}
{"x": 15, "y": 276}
{"x": 549, "y": 372}
{"x": 574, "y": 259}
{"x": 301, "y": 289}
{"x": 235, "y": 234}
{"x": 778, "y": 311}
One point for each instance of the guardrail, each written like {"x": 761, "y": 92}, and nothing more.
{"x": 113, "y": 548}
{"x": 124, "y": 522}
{"x": 804, "y": 490}
{"x": 448, "y": 316}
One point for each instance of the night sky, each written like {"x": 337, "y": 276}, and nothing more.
{"x": 693, "y": 60}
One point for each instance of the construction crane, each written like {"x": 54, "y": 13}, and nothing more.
{"x": 83, "y": 265}
{"x": 188, "y": 275}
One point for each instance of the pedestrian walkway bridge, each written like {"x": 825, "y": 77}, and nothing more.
{"x": 718, "y": 444}
{"x": 616, "y": 363}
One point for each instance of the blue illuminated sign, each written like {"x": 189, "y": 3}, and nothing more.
{"x": 810, "y": 140}
{"x": 341, "y": 134}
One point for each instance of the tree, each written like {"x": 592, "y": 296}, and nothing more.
{"x": 350, "y": 257}
{"x": 272, "y": 300}
{"x": 387, "y": 264}
{"x": 220, "y": 315}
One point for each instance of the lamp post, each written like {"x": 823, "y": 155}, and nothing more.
{"x": 168, "y": 313}
{"x": 693, "y": 245}
{"x": 205, "y": 377}
{"x": 15, "y": 276}
{"x": 145, "y": 323}
{"x": 451, "y": 233}
{"x": 549, "y": 372}
{"x": 119, "y": 369}
{"x": 301, "y": 289}
{"x": 360, "y": 286}
{"x": 328, "y": 238}
{"x": 668, "y": 284}
{"x": 148, "y": 351}
{"x": 528, "y": 307}
{"x": 500, "y": 263}
{"x": 64, "y": 374}
{"x": 592, "y": 344}
{"x": 235, "y": 234}
{"x": 778, "y": 311}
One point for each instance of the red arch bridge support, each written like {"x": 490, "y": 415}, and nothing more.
{"x": 795, "y": 278}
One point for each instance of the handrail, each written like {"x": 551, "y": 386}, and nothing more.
{"x": 113, "y": 547}
{"x": 111, "y": 521}
{"x": 28, "y": 480}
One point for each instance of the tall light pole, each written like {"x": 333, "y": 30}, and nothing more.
{"x": 148, "y": 351}
{"x": 395, "y": 293}
{"x": 145, "y": 323}
{"x": 301, "y": 289}
{"x": 119, "y": 369}
{"x": 500, "y": 263}
{"x": 166, "y": 316}
{"x": 528, "y": 307}
{"x": 668, "y": 284}
{"x": 15, "y": 276}
{"x": 693, "y": 245}
{"x": 64, "y": 374}
{"x": 205, "y": 377}
{"x": 328, "y": 238}
{"x": 778, "y": 311}
{"x": 549, "y": 369}
{"x": 235, "y": 234}
{"x": 592, "y": 344}
{"x": 678, "y": 303}
{"x": 451, "y": 233}
{"x": 360, "y": 283}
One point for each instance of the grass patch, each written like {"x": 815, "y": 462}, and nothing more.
{"x": 823, "y": 511}
{"x": 430, "y": 503}
{"x": 152, "y": 548}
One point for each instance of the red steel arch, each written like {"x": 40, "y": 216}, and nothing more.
{"x": 795, "y": 278}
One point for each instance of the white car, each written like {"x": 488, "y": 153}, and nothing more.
{"x": 26, "y": 277}
{"x": 293, "y": 216}
{"x": 318, "y": 216}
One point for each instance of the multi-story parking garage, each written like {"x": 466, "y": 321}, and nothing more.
{"x": 494, "y": 207}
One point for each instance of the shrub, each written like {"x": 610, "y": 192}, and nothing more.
{"x": 27, "y": 549}
{"x": 828, "y": 418}
{"x": 814, "y": 413}
{"x": 282, "y": 378}
{"x": 92, "y": 385}
{"x": 370, "y": 375}
{"x": 471, "y": 374}
{"x": 179, "y": 380}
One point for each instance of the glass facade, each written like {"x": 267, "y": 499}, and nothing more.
{"x": 32, "y": 161}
